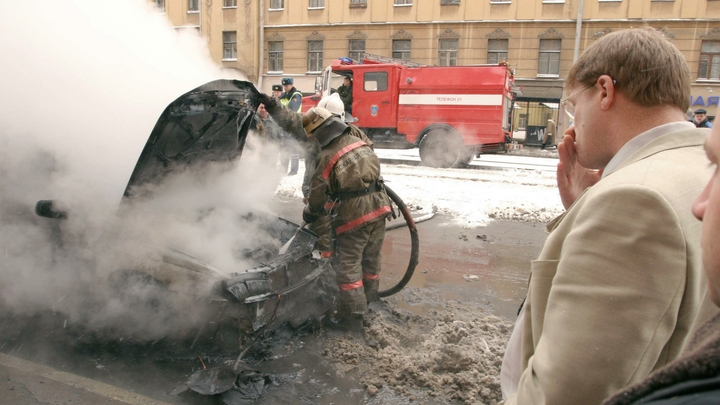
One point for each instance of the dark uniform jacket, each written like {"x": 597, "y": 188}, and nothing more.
{"x": 292, "y": 99}
{"x": 704, "y": 124}
{"x": 345, "y": 93}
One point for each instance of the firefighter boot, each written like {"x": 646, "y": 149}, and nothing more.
{"x": 352, "y": 303}
{"x": 371, "y": 289}
{"x": 351, "y": 308}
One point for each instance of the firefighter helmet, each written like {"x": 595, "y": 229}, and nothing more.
{"x": 334, "y": 104}
{"x": 314, "y": 118}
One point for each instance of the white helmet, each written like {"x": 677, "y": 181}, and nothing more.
{"x": 334, "y": 104}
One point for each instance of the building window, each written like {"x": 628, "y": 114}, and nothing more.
{"x": 230, "y": 3}
{"x": 403, "y": 2}
{"x": 317, "y": 3}
{"x": 315, "y": 56}
{"x": 358, "y": 3}
{"x": 356, "y": 49}
{"x": 499, "y": 1}
{"x": 497, "y": 51}
{"x": 193, "y": 6}
{"x": 275, "y": 56}
{"x": 447, "y": 50}
{"x": 277, "y": 4}
{"x": 449, "y": 2}
{"x": 229, "y": 45}
{"x": 549, "y": 57}
{"x": 709, "y": 67}
{"x": 401, "y": 49}
{"x": 160, "y": 4}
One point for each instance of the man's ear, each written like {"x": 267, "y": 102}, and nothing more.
{"x": 607, "y": 92}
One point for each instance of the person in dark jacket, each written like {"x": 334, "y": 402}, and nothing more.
{"x": 693, "y": 378}
{"x": 291, "y": 99}
{"x": 346, "y": 94}
{"x": 701, "y": 120}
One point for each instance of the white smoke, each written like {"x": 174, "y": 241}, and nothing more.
{"x": 83, "y": 83}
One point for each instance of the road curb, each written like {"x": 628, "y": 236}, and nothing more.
{"x": 118, "y": 395}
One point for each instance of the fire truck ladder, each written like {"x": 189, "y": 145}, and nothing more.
{"x": 387, "y": 59}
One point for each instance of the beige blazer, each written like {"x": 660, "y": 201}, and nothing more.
{"x": 618, "y": 287}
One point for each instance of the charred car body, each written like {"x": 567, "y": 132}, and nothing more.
{"x": 209, "y": 125}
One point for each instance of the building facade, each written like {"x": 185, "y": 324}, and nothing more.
{"x": 539, "y": 39}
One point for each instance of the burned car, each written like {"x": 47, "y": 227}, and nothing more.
{"x": 275, "y": 278}
{"x": 209, "y": 125}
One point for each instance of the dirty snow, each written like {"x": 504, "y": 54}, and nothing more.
{"x": 472, "y": 197}
{"x": 452, "y": 353}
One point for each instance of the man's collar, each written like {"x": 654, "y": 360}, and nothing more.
{"x": 641, "y": 140}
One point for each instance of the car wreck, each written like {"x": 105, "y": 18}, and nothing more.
{"x": 209, "y": 125}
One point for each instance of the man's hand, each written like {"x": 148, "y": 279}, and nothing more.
{"x": 572, "y": 177}
{"x": 308, "y": 216}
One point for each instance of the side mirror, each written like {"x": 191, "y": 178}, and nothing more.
{"x": 50, "y": 209}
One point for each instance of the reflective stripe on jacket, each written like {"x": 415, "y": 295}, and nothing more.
{"x": 286, "y": 98}
{"x": 345, "y": 165}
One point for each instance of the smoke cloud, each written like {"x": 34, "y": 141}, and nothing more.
{"x": 84, "y": 82}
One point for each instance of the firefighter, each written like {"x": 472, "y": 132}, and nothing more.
{"x": 347, "y": 185}
{"x": 291, "y": 122}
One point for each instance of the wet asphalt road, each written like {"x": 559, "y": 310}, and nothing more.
{"x": 487, "y": 266}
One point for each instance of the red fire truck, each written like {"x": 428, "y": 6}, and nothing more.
{"x": 452, "y": 113}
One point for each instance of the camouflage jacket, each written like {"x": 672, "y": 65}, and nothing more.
{"x": 347, "y": 165}
{"x": 291, "y": 122}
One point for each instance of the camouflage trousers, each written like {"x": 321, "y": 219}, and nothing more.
{"x": 358, "y": 254}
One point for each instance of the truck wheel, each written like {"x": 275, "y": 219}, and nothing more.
{"x": 441, "y": 147}
{"x": 466, "y": 157}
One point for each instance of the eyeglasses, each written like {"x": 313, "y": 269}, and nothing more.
{"x": 570, "y": 108}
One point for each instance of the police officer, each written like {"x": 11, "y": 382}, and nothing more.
{"x": 291, "y": 98}
{"x": 347, "y": 185}
{"x": 701, "y": 120}
{"x": 277, "y": 90}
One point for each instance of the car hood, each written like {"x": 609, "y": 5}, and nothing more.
{"x": 207, "y": 124}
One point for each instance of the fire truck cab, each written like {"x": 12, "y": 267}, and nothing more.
{"x": 452, "y": 113}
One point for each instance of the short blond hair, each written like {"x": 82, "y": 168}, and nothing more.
{"x": 647, "y": 68}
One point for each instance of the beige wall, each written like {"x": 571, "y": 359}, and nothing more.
{"x": 522, "y": 21}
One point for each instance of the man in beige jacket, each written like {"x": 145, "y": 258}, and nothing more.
{"x": 618, "y": 287}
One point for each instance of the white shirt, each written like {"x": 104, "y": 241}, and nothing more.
{"x": 643, "y": 139}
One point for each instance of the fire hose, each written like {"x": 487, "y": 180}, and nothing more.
{"x": 415, "y": 245}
